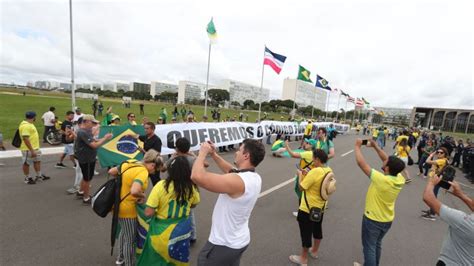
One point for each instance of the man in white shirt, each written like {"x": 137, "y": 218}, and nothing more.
{"x": 77, "y": 115}
{"x": 238, "y": 190}
{"x": 48, "y": 121}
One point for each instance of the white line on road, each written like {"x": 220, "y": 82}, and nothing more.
{"x": 346, "y": 153}
{"x": 17, "y": 153}
{"x": 270, "y": 190}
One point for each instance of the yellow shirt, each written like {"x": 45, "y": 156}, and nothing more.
{"x": 381, "y": 196}
{"x": 375, "y": 133}
{"x": 403, "y": 151}
{"x": 415, "y": 134}
{"x": 385, "y": 131}
{"x": 308, "y": 129}
{"x": 165, "y": 204}
{"x": 136, "y": 173}
{"x": 312, "y": 188}
{"x": 27, "y": 129}
{"x": 306, "y": 160}
{"x": 399, "y": 138}
{"x": 436, "y": 168}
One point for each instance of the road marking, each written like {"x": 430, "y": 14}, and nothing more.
{"x": 464, "y": 185}
{"x": 44, "y": 151}
{"x": 270, "y": 190}
{"x": 346, "y": 153}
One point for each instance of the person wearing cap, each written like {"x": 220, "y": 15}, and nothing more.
{"x": 85, "y": 150}
{"x": 311, "y": 184}
{"x": 115, "y": 121}
{"x": 30, "y": 148}
{"x": 160, "y": 121}
{"x": 306, "y": 162}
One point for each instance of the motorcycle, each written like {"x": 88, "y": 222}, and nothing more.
{"x": 54, "y": 137}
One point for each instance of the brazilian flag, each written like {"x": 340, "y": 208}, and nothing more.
{"x": 167, "y": 242}
{"x": 123, "y": 145}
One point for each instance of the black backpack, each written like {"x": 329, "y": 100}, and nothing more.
{"x": 16, "y": 141}
{"x": 104, "y": 198}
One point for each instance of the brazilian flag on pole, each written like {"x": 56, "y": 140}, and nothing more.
{"x": 123, "y": 145}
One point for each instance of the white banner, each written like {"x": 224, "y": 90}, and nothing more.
{"x": 228, "y": 133}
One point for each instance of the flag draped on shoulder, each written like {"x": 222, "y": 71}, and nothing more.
{"x": 322, "y": 83}
{"x": 304, "y": 74}
{"x": 274, "y": 60}
{"x": 211, "y": 31}
{"x": 123, "y": 145}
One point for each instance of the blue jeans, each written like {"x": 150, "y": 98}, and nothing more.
{"x": 435, "y": 191}
{"x": 372, "y": 235}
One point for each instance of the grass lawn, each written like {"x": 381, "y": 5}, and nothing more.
{"x": 13, "y": 106}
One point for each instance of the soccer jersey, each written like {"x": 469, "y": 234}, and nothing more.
{"x": 437, "y": 166}
{"x": 382, "y": 195}
{"x": 308, "y": 129}
{"x": 400, "y": 138}
{"x": 165, "y": 204}
{"x": 27, "y": 129}
{"x": 278, "y": 144}
{"x": 311, "y": 185}
{"x": 403, "y": 151}
{"x": 133, "y": 171}
{"x": 306, "y": 161}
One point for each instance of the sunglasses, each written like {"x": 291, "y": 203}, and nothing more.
{"x": 132, "y": 116}
{"x": 440, "y": 152}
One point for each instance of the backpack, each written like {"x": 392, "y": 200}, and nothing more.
{"x": 16, "y": 141}
{"x": 104, "y": 198}
{"x": 328, "y": 185}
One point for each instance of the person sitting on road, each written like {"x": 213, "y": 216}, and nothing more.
{"x": 458, "y": 243}
{"x": 310, "y": 185}
{"x": 380, "y": 200}
{"x": 278, "y": 147}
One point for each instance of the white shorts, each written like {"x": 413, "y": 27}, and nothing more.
{"x": 404, "y": 159}
{"x": 27, "y": 159}
{"x": 69, "y": 149}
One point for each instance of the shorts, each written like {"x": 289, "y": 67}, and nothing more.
{"x": 87, "y": 170}
{"x": 404, "y": 159}
{"x": 69, "y": 149}
{"x": 27, "y": 159}
{"x": 309, "y": 228}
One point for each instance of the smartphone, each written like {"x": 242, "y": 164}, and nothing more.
{"x": 364, "y": 141}
{"x": 444, "y": 184}
{"x": 298, "y": 167}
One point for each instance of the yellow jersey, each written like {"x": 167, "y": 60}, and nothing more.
{"x": 399, "y": 138}
{"x": 165, "y": 204}
{"x": 136, "y": 173}
{"x": 403, "y": 152}
{"x": 311, "y": 185}
{"x": 308, "y": 129}
{"x": 437, "y": 167}
{"x": 306, "y": 161}
{"x": 27, "y": 129}
{"x": 382, "y": 195}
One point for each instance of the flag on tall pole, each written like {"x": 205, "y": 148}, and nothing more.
{"x": 322, "y": 83}
{"x": 275, "y": 61}
{"x": 365, "y": 101}
{"x": 304, "y": 74}
{"x": 359, "y": 102}
{"x": 212, "y": 33}
{"x": 351, "y": 99}
{"x": 344, "y": 94}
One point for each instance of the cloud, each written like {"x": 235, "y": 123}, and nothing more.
{"x": 397, "y": 54}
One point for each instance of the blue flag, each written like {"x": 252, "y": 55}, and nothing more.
{"x": 322, "y": 83}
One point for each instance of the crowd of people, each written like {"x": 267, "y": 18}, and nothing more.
{"x": 173, "y": 196}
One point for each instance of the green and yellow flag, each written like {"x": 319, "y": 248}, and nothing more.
{"x": 211, "y": 31}
{"x": 123, "y": 145}
{"x": 304, "y": 74}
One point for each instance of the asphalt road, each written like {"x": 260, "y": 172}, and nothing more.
{"x": 42, "y": 225}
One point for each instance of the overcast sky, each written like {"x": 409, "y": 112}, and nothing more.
{"x": 393, "y": 53}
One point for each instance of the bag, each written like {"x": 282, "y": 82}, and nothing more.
{"x": 104, "y": 198}
{"x": 315, "y": 214}
{"x": 410, "y": 160}
{"x": 16, "y": 141}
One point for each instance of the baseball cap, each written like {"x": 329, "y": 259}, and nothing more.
{"x": 30, "y": 115}
{"x": 89, "y": 118}
{"x": 115, "y": 117}
{"x": 310, "y": 141}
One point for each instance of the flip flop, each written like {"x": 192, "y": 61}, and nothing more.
{"x": 297, "y": 260}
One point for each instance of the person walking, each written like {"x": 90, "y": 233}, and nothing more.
{"x": 380, "y": 200}
{"x": 403, "y": 151}
{"x": 427, "y": 149}
{"x": 85, "y": 150}
{"x": 238, "y": 190}
{"x": 30, "y": 149}
{"x": 68, "y": 142}
{"x": 311, "y": 185}
{"x": 48, "y": 121}
{"x": 142, "y": 108}
{"x": 458, "y": 153}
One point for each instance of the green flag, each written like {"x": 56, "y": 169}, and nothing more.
{"x": 304, "y": 74}
{"x": 123, "y": 145}
{"x": 211, "y": 31}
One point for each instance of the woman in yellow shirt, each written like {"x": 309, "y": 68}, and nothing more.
{"x": 170, "y": 202}
{"x": 437, "y": 167}
{"x": 403, "y": 151}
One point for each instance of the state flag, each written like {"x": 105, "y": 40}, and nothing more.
{"x": 322, "y": 83}
{"x": 274, "y": 60}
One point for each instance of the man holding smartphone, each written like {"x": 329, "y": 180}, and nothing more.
{"x": 458, "y": 244}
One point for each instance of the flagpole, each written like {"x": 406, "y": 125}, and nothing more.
{"x": 312, "y": 110}
{"x": 327, "y": 105}
{"x": 261, "y": 86}
{"x": 207, "y": 79}
{"x": 338, "y": 100}
{"x": 345, "y": 111}
{"x": 73, "y": 86}
{"x": 294, "y": 100}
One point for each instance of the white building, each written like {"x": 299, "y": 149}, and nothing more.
{"x": 122, "y": 86}
{"x": 109, "y": 87}
{"x": 157, "y": 88}
{"x": 239, "y": 92}
{"x": 188, "y": 90}
{"x": 307, "y": 94}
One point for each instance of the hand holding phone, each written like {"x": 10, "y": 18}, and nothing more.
{"x": 364, "y": 142}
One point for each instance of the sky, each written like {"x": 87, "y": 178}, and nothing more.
{"x": 401, "y": 53}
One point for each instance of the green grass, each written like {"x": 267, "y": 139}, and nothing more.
{"x": 14, "y": 106}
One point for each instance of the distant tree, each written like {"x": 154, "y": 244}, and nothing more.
{"x": 218, "y": 95}
{"x": 235, "y": 103}
{"x": 248, "y": 103}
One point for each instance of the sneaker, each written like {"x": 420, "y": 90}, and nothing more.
{"x": 96, "y": 173}
{"x": 424, "y": 177}
{"x": 295, "y": 214}
{"x": 60, "y": 166}
{"x": 297, "y": 260}
{"x": 119, "y": 262}
{"x": 29, "y": 181}
{"x": 87, "y": 201}
{"x": 425, "y": 211}
{"x": 43, "y": 177}
{"x": 72, "y": 190}
{"x": 79, "y": 194}
{"x": 428, "y": 217}
{"x": 357, "y": 264}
